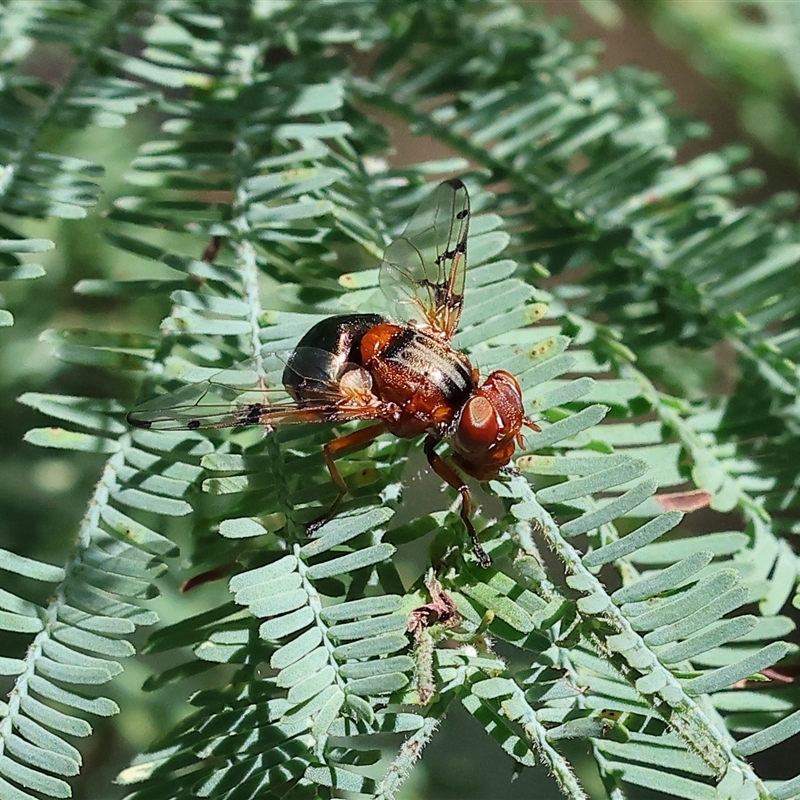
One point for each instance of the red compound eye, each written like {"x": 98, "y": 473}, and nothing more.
{"x": 478, "y": 426}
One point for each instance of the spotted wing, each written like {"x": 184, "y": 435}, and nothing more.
{"x": 423, "y": 271}
{"x": 250, "y": 394}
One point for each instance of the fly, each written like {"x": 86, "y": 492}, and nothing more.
{"x": 405, "y": 377}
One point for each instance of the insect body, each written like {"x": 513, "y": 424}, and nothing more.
{"x": 406, "y": 377}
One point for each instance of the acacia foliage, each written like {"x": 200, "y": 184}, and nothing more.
{"x": 262, "y": 196}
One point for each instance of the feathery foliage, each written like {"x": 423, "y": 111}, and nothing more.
{"x": 749, "y": 48}
{"x": 329, "y": 663}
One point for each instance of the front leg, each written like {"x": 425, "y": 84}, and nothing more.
{"x": 449, "y": 476}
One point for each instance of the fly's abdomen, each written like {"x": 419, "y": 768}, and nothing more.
{"x": 317, "y": 363}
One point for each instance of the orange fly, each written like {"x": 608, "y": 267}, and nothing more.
{"x": 404, "y": 376}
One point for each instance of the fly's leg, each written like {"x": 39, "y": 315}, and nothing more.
{"x": 528, "y": 423}
{"x": 351, "y": 441}
{"x": 448, "y": 475}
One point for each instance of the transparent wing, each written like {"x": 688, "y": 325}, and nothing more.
{"x": 251, "y": 393}
{"x": 423, "y": 271}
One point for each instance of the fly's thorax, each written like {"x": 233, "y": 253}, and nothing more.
{"x": 422, "y": 380}
{"x": 407, "y": 360}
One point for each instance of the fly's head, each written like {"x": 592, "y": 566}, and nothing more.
{"x": 488, "y": 429}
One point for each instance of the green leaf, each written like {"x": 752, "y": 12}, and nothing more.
{"x": 365, "y": 607}
{"x": 630, "y": 543}
{"x": 594, "y": 483}
{"x": 668, "y": 783}
{"x": 359, "y": 559}
{"x": 676, "y": 575}
{"x": 371, "y": 647}
{"x": 697, "y": 620}
{"x": 286, "y": 624}
{"x": 30, "y": 568}
{"x": 146, "y": 501}
{"x": 100, "y": 706}
{"x": 241, "y": 528}
{"x": 707, "y": 639}
{"x": 568, "y": 428}
{"x": 374, "y": 626}
{"x": 718, "y": 544}
{"x": 343, "y": 529}
{"x": 725, "y": 677}
{"x": 69, "y": 440}
{"x": 11, "y": 666}
{"x": 621, "y": 505}
{"x": 55, "y": 720}
{"x": 42, "y": 759}
{"x": 25, "y": 246}
{"x": 20, "y": 271}
{"x": 505, "y": 608}
{"x": 19, "y": 624}
{"x": 33, "y": 779}
{"x": 376, "y": 685}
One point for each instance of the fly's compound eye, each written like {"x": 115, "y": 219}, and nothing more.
{"x": 478, "y": 426}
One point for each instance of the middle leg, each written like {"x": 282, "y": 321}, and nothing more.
{"x": 332, "y": 450}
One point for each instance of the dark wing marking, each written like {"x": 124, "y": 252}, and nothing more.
{"x": 236, "y": 397}
{"x": 423, "y": 272}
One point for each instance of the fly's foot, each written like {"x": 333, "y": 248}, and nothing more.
{"x": 313, "y": 526}
{"x": 481, "y": 554}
